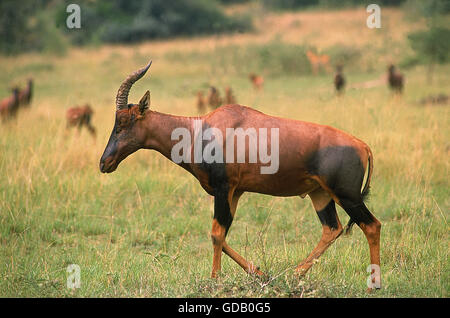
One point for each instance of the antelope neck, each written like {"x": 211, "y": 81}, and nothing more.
{"x": 159, "y": 128}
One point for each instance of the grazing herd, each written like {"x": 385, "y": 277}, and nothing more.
{"x": 395, "y": 81}
{"x": 21, "y": 98}
{"x": 81, "y": 116}
{"x": 214, "y": 100}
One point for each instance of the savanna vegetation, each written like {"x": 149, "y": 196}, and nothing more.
{"x": 143, "y": 231}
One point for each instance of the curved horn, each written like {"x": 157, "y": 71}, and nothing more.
{"x": 124, "y": 89}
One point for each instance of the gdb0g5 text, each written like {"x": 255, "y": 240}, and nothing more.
{"x": 246, "y": 307}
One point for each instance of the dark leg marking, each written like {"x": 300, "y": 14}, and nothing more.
{"x": 218, "y": 180}
{"x": 358, "y": 212}
{"x": 222, "y": 212}
{"x": 328, "y": 216}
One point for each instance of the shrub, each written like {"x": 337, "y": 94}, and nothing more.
{"x": 14, "y": 26}
{"x": 431, "y": 46}
{"x": 302, "y": 4}
{"x": 289, "y": 4}
{"x": 128, "y": 21}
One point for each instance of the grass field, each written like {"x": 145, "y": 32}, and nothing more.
{"x": 143, "y": 231}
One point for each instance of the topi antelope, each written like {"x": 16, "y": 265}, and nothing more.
{"x": 322, "y": 162}
{"x": 257, "y": 81}
{"x": 317, "y": 61}
{"x": 435, "y": 99}
{"x": 214, "y": 99}
{"x": 229, "y": 97}
{"x": 79, "y": 117}
{"x": 26, "y": 94}
{"x": 10, "y": 105}
{"x": 201, "y": 104}
{"x": 395, "y": 79}
{"x": 339, "y": 80}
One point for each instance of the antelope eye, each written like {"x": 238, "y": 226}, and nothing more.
{"x": 122, "y": 122}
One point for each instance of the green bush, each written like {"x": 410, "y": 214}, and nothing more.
{"x": 302, "y": 4}
{"x": 289, "y": 4}
{"x": 40, "y": 25}
{"x": 433, "y": 44}
{"x": 16, "y": 33}
{"x": 275, "y": 58}
{"x": 121, "y": 21}
{"x": 341, "y": 54}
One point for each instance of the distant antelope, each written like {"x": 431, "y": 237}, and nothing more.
{"x": 317, "y": 61}
{"x": 435, "y": 99}
{"x": 322, "y": 162}
{"x": 229, "y": 97}
{"x": 26, "y": 94}
{"x": 214, "y": 99}
{"x": 395, "y": 79}
{"x": 339, "y": 80}
{"x": 201, "y": 104}
{"x": 79, "y": 117}
{"x": 257, "y": 81}
{"x": 10, "y": 105}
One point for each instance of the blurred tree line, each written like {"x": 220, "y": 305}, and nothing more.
{"x": 41, "y": 24}
{"x": 302, "y": 4}
{"x": 128, "y": 21}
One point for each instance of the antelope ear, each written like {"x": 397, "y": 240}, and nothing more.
{"x": 144, "y": 103}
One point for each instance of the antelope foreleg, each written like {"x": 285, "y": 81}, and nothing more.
{"x": 225, "y": 205}
{"x": 218, "y": 240}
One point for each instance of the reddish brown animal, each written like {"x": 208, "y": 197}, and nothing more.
{"x": 435, "y": 99}
{"x": 26, "y": 94}
{"x": 80, "y": 117}
{"x": 229, "y": 97}
{"x": 395, "y": 79}
{"x": 201, "y": 104}
{"x": 10, "y": 105}
{"x": 318, "y": 161}
{"x": 318, "y": 61}
{"x": 257, "y": 81}
{"x": 339, "y": 80}
{"x": 214, "y": 99}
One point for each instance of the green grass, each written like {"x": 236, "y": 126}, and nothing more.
{"x": 143, "y": 231}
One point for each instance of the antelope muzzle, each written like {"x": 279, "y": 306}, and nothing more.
{"x": 109, "y": 160}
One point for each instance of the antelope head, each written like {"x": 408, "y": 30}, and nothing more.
{"x": 128, "y": 134}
